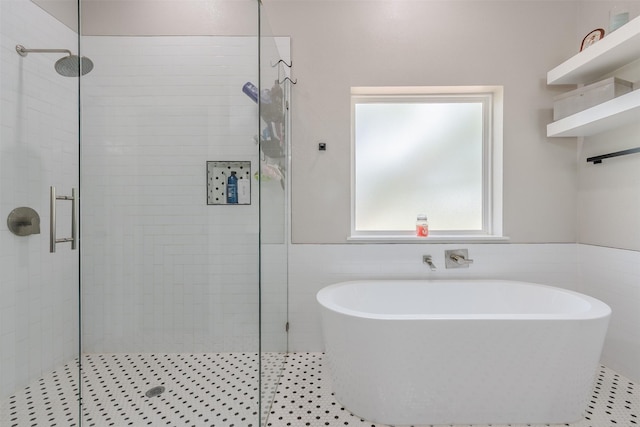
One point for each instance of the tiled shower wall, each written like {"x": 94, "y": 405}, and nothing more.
{"x": 39, "y": 131}
{"x": 162, "y": 270}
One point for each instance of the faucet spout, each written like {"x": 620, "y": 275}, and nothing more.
{"x": 429, "y": 261}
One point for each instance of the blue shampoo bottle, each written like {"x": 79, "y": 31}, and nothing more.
{"x": 232, "y": 188}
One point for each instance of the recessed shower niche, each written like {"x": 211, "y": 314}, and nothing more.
{"x": 218, "y": 174}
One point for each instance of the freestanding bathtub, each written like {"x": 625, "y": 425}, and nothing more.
{"x": 406, "y": 352}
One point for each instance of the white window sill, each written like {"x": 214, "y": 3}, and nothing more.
{"x": 430, "y": 239}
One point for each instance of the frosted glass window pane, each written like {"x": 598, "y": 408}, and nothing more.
{"x": 413, "y": 158}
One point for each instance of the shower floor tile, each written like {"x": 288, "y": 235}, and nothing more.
{"x": 304, "y": 398}
{"x": 201, "y": 390}
{"x": 220, "y": 389}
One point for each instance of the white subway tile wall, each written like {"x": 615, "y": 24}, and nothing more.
{"x": 613, "y": 276}
{"x": 311, "y": 267}
{"x": 163, "y": 271}
{"x": 38, "y": 149}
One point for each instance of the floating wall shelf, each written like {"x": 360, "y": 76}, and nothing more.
{"x": 617, "y": 112}
{"x": 607, "y": 55}
{"x": 612, "y": 52}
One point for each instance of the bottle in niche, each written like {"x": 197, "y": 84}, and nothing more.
{"x": 232, "y": 188}
{"x": 422, "y": 226}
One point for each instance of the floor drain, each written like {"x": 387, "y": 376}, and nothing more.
{"x": 155, "y": 391}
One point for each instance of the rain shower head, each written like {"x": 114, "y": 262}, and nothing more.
{"x": 67, "y": 66}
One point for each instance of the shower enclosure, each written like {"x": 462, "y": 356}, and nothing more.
{"x": 131, "y": 279}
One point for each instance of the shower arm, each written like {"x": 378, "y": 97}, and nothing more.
{"x": 23, "y": 51}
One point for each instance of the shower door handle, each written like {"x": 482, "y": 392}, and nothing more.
{"x": 52, "y": 234}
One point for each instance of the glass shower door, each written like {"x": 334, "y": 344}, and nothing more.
{"x": 170, "y": 284}
{"x": 275, "y": 87}
{"x": 39, "y": 320}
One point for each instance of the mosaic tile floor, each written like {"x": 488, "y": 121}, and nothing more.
{"x": 220, "y": 390}
{"x": 201, "y": 390}
{"x": 304, "y": 399}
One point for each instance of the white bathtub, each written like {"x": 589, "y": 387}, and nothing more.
{"x": 406, "y": 352}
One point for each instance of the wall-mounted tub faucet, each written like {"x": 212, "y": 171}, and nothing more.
{"x": 457, "y": 258}
{"x": 426, "y": 259}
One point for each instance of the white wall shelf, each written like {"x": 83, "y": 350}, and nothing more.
{"x": 612, "y": 52}
{"x": 607, "y": 55}
{"x": 617, "y": 112}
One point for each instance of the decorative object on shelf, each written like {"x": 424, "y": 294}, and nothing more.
{"x": 614, "y": 51}
{"x": 618, "y": 16}
{"x": 609, "y": 115}
{"x": 591, "y": 38}
{"x": 589, "y": 96}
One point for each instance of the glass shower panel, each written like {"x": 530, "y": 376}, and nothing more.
{"x": 275, "y": 67}
{"x": 170, "y": 264}
{"x": 39, "y": 320}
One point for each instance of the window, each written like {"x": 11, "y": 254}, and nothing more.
{"x": 434, "y": 151}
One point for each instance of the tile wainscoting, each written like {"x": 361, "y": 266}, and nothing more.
{"x": 577, "y": 267}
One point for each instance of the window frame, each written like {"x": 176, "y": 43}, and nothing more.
{"x": 491, "y": 98}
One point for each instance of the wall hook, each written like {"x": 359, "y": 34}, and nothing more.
{"x": 287, "y": 78}
{"x": 284, "y": 62}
